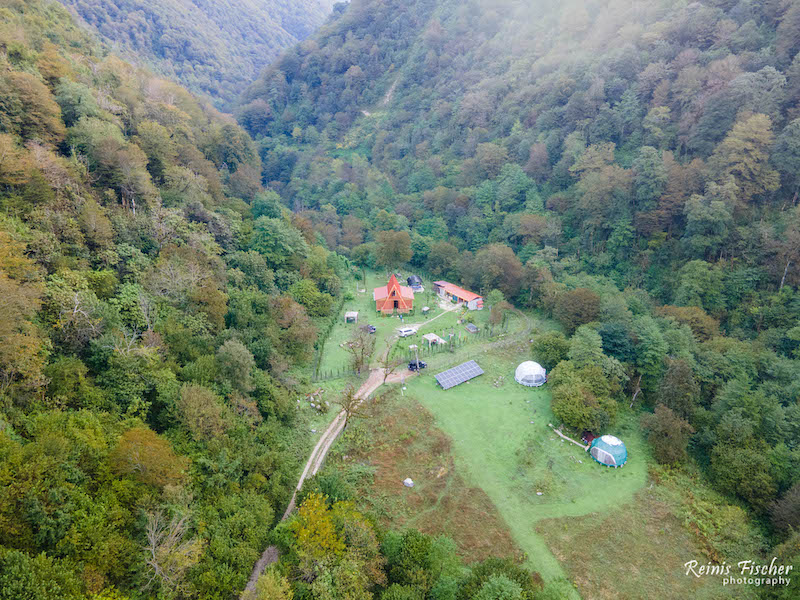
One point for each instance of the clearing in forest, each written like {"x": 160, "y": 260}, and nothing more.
{"x": 502, "y": 444}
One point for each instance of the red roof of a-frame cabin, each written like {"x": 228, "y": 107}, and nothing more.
{"x": 405, "y": 294}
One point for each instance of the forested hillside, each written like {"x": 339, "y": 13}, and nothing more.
{"x": 624, "y": 172}
{"x": 211, "y": 47}
{"x": 628, "y": 168}
{"x": 147, "y": 429}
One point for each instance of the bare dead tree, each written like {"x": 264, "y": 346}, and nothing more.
{"x": 148, "y": 309}
{"x": 125, "y": 341}
{"x": 169, "y": 554}
{"x": 79, "y": 318}
{"x": 637, "y": 391}
{"x": 360, "y": 347}
{"x": 351, "y": 404}
{"x": 785, "y": 271}
{"x": 388, "y": 364}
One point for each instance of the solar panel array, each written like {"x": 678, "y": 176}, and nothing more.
{"x": 460, "y": 374}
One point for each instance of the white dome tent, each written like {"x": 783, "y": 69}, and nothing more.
{"x": 531, "y": 374}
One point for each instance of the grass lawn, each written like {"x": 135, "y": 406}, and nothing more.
{"x": 336, "y": 358}
{"x": 399, "y": 440}
{"x": 502, "y": 444}
{"x": 492, "y": 475}
{"x": 634, "y": 552}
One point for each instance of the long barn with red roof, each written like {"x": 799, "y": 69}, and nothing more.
{"x": 452, "y": 292}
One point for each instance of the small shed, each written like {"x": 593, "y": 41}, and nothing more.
{"x": 414, "y": 281}
{"x": 471, "y": 328}
{"x": 432, "y": 339}
{"x": 351, "y": 316}
{"x": 426, "y": 310}
{"x": 609, "y": 451}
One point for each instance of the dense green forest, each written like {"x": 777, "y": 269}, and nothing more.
{"x": 156, "y": 302}
{"x": 147, "y": 429}
{"x": 630, "y": 169}
{"x": 214, "y": 48}
{"x": 627, "y": 171}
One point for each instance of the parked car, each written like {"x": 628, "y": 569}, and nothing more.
{"x": 372, "y": 328}
{"x": 406, "y": 331}
{"x": 416, "y": 365}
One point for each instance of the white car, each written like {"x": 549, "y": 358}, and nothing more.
{"x": 406, "y": 331}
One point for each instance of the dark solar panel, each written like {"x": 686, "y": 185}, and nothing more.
{"x": 460, "y": 374}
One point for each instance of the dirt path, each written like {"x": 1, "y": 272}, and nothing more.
{"x": 320, "y": 451}
{"x": 386, "y": 99}
{"x": 417, "y": 326}
{"x": 315, "y": 461}
{"x": 390, "y": 93}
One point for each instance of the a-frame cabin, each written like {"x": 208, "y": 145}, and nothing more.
{"x": 393, "y": 297}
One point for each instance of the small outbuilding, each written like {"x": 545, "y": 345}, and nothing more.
{"x": 351, "y": 316}
{"x": 587, "y": 437}
{"x": 415, "y": 283}
{"x": 432, "y": 339}
{"x": 609, "y": 451}
{"x": 531, "y": 374}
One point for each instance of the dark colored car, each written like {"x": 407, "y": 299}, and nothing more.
{"x": 372, "y": 328}
{"x": 416, "y": 365}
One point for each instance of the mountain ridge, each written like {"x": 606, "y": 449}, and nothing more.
{"x": 213, "y": 48}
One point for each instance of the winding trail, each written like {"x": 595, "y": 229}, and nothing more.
{"x": 390, "y": 93}
{"x": 315, "y": 461}
{"x": 320, "y": 451}
{"x": 386, "y": 98}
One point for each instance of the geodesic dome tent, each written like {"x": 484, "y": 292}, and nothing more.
{"x": 609, "y": 451}
{"x": 531, "y": 374}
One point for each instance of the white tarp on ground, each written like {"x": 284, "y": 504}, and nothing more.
{"x": 611, "y": 440}
{"x": 531, "y": 374}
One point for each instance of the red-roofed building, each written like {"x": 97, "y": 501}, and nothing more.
{"x": 393, "y": 297}
{"x": 451, "y": 292}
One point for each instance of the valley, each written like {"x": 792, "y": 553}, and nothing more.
{"x": 398, "y": 299}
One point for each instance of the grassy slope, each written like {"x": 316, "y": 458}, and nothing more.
{"x": 475, "y": 455}
{"x": 401, "y": 440}
{"x": 478, "y": 458}
{"x": 499, "y": 450}
{"x": 336, "y": 358}
{"x": 594, "y": 525}
{"x": 635, "y": 552}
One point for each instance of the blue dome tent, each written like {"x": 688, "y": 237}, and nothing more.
{"x": 609, "y": 451}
